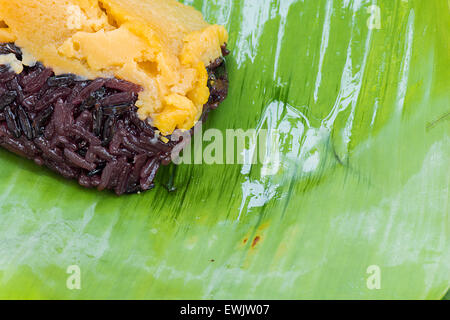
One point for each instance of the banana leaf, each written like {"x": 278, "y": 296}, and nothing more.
{"x": 359, "y": 92}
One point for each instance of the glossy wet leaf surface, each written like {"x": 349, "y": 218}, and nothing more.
{"x": 362, "y": 107}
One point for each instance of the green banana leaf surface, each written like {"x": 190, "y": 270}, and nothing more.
{"x": 359, "y": 93}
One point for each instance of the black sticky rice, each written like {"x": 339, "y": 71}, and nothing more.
{"x": 87, "y": 130}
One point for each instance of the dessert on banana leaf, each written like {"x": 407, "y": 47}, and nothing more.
{"x": 94, "y": 89}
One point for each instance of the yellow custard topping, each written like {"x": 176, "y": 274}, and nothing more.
{"x": 162, "y": 45}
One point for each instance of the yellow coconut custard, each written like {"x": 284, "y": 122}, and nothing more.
{"x": 161, "y": 45}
